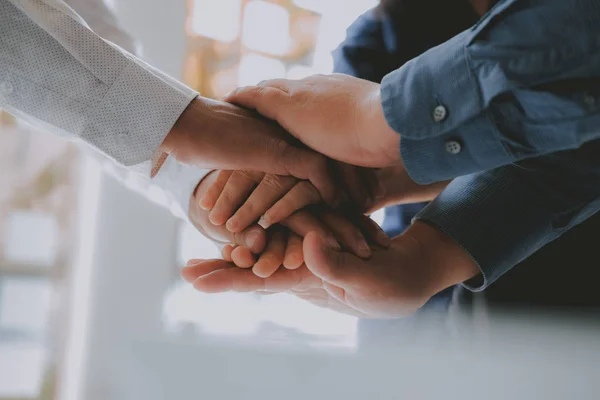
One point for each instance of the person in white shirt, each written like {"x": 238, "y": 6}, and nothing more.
{"x": 59, "y": 74}
{"x": 111, "y": 100}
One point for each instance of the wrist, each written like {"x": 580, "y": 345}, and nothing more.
{"x": 177, "y": 134}
{"x": 444, "y": 262}
{"x": 399, "y": 188}
{"x": 381, "y": 135}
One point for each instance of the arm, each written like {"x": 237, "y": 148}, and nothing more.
{"x": 65, "y": 78}
{"x": 68, "y": 80}
{"x": 512, "y": 87}
{"x": 175, "y": 180}
{"x": 501, "y": 217}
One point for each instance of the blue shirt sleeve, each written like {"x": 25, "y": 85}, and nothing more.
{"x": 502, "y": 216}
{"x": 523, "y": 82}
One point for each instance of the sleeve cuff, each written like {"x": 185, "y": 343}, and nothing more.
{"x": 474, "y": 147}
{"x": 179, "y": 181}
{"x": 495, "y": 216}
{"x": 412, "y": 97}
{"x": 439, "y": 77}
{"x": 136, "y": 113}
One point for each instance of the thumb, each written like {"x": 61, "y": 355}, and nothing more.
{"x": 328, "y": 263}
{"x": 268, "y": 101}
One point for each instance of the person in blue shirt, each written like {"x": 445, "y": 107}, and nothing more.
{"x": 381, "y": 41}
{"x": 384, "y": 39}
{"x": 507, "y": 109}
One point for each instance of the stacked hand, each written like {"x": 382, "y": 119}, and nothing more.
{"x": 289, "y": 233}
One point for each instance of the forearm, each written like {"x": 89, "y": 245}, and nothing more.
{"x": 401, "y": 189}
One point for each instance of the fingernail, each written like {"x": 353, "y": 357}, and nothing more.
{"x": 253, "y": 238}
{"x": 231, "y": 225}
{"x": 212, "y": 217}
{"x": 264, "y": 223}
{"x": 203, "y": 204}
{"x": 193, "y": 262}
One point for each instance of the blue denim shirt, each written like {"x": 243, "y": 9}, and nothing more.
{"x": 521, "y": 84}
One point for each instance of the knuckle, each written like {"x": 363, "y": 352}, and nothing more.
{"x": 274, "y": 182}
{"x": 247, "y": 176}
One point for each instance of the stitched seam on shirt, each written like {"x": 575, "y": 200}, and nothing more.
{"x": 49, "y": 89}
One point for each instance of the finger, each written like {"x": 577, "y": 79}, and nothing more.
{"x": 269, "y": 191}
{"x": 346, "y": 233}
{"x": 191, "y": 272}
{"x": 331, "y": 265}
{"x": 303, "y": 222}
{"x": 356, "y": 187}
{"x": 274, "y": 102}
{"x": 294, "y": 258}
{"x": 301, "y": 195}
{"x": 226, "y": 253}
{"x": 372, "y": 178}
{"x": 209, "y": 198}
{"x": 244, "y": 280}
{"x": 373, "y": 231}
{"x": 308, "y": 165}
{"x": 272, "y": 258}
{"x": 253, "y": 238}
{"x": 242, "y": 257}
{"x": 235, "y": 192}
{"x": 266, "y": 100}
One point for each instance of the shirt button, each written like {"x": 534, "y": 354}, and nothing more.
{"x": 440, "y": 113}
{"x": 6, "y": 88}
{"x": 453, "y": 147}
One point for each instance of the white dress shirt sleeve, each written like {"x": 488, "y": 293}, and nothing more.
{"x": 56, "y": 73}
{"x": 175, "y": 183}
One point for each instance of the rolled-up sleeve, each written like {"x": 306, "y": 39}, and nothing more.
{"x": 502, "y": 216}
{"x": 521, "y": 83}
{"x": 58, "y": 74}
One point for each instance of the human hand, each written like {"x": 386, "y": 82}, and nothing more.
{"x": 395, "y": 282}
{"x": 240, "y": 198}
{"x": 218, "y": 135}
{"x": 265, "y": 252}
{"x": 336, "y": 115}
